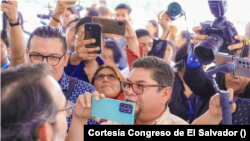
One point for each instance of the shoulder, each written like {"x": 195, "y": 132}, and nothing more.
{"x": 84, "y": 86}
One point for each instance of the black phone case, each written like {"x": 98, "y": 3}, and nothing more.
{"x": 110, "y": 25}
{"x": 93, "y": 33}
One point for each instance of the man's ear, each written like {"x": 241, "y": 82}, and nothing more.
{"x": 45, "y": 132}
{"x": 167, "y": 91}
{"x": 103, "y": 43}
{"x": 66, "y": 57}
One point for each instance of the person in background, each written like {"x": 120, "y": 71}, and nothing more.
{"x": 153, "y": 28}
{"x": 145, "y": 39}
{"x": 170, "y": 53}
{"x": 123, "y": 11}
{"x": 68, "y": 15}
{"x": 111, "y": 54}
{"x": 181, "y": 39}
{"x": 70, "y": 35}
{"x": 103, "y": 12}
{"x": 107, "y": 80}
{"x": 173, "y": 33}
{"x": 184, "y": 103}
{"x": 91, "y": 12}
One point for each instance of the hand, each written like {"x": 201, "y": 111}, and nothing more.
{"x": 197, "y": 36}
{"x": 10, "y": 9}
{"x": 215, "y": 107}
{"x": 164, "y": 21}
{"x": 82, "y": 109}
{"x": 81, "y": 53}
{"x": 237, "y": 45}
{"x": 129, "y": 31}
{"x": 61, "y": 6}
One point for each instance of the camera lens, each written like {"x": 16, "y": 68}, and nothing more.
{"x": 206, "y": 49}
{"x": 120, "y": 24}
{"x": 174, "y": 9}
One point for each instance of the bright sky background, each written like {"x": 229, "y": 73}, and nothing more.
{"x": 197, "y": 11}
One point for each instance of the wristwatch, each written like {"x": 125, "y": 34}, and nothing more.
{"x": 15, "y": 24}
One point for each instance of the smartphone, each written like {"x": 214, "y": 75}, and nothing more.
{"x": 93, "y": 31}
{"x": 113, "y": 110}
{"x": 110, "y": 26}
{"x": 243, "y": 65}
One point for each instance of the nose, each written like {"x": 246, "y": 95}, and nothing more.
{"x": 45, "y": 60}
{"x": 105, "y": 79}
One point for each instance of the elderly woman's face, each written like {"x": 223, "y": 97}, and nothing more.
{"x": 107, "y": 83}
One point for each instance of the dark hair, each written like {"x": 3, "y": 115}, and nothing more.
{"x": 114, "y": 46}
{"x": 155, "y": 24}
{"x": 114, "y": 69}
{"x": 103, "y": 10}
{"x": 67, "y": 26}
{"x": 48, "y": 32}
{"x": 142, "y": 32}
{"x": 92, "y": 12}
{"x": 26, "y": 102}
{"x": 161, "y": 71}
{"x": 72, "y": 10}
{"x": 124, "y": 6}
{"x": 5, "y": 39}
{"x": 82, "y": 21}
{"x": 171, "y": 43}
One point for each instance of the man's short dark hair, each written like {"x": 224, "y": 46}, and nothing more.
{"x": 26, "y": 102}
{"x": 67, "y": 26}
{"x": 103, "y": 10}
{"x": 141, "y": 33}
{"x": 5, "y": 39}
{"x": 114, "y": 46}
{"x": 161, "y": 71}
{"x": 48, "y": 32}
{"x": 82, "y": 21}
{"x": 124, "y": 6}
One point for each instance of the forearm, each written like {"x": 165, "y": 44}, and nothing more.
{"x": 74, "y": 60}
{"x": 207, "y": 119}
{"x": 53, "y": 22}
{"x": 164, "y": 35}
{"x": 133, "y": 44}
{"x": 17, "y": 46}
{"x": 76, "y": 130}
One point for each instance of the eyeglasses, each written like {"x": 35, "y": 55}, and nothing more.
{"x": 69, "y": 108}
{"x": 137, "y": 88}
{"x": 109, "y": 76}
{"x": 52, "y": 60}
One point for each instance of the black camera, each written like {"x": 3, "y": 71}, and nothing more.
{"x": 174, "y": 11}
{"x": 220, "y": 33}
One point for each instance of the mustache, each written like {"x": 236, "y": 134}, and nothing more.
{"x": 130, "y": 98}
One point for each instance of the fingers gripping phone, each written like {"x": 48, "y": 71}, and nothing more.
{"x": 113, "y": 110}
{"x": 93, "y": 31}
{"x": 110, "y": 26}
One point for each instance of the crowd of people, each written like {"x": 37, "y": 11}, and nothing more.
{"x": 48, "y": 79}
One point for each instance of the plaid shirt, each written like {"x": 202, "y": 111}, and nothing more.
{"x": 166, "y": 118}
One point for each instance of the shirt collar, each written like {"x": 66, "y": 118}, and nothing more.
{"x": 163, "y": 117}
{"x": 64, "y": 81}
{"x": 5, "y": 65}
{"x": 98, "y": 59}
